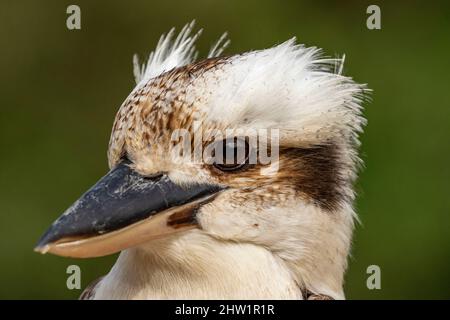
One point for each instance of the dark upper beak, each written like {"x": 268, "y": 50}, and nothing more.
{"x": 121, "y": 199}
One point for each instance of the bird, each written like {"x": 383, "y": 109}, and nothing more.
{"x": 220, "y": 227}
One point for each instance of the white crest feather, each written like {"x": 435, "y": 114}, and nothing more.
{"x": 288, "y": 86}
{"x": 219, "y": 46}
{"x": 176, "y": 53}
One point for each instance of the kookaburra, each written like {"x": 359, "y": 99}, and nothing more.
{"x": 233, "y": 229}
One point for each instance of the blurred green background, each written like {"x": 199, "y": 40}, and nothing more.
{"x": 60, "y": 89}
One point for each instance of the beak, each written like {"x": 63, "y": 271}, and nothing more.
{"x": 124, "y": 209}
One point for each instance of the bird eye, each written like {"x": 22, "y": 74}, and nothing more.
{"x": 231, "y": 154}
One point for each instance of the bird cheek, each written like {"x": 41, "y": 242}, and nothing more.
{"x": 227, "y": 223}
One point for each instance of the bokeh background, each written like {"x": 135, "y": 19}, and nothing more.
{"x": 60, "y": 89}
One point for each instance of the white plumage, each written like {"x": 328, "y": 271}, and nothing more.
{"x": 294, "y": 89}
{"x": 280, "y": 232}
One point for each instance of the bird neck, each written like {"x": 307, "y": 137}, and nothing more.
{"x": 195, "y": 266}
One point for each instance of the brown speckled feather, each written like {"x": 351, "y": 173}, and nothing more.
{"x": 89, "y": 292}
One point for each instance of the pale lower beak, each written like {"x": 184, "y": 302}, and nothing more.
{"x": 123, "y": 210}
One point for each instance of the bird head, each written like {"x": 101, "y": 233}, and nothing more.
{"x": 259, "y": 147}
